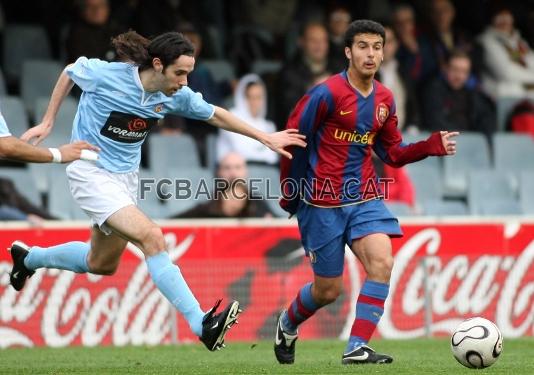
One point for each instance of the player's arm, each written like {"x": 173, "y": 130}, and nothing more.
{"x": 390, "y": 148}
{"x": 275, "y": 141}
{"x": 307, "y": 116}
{"x": 62, "y": 88}
{"x": 86, "y": 73}
{"x": 13, "y": 148}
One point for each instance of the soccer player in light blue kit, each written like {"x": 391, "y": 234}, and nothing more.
{"x": 121, "y": 102}
{"x": 14, "y": 149}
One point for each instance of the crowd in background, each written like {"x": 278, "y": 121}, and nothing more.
{"x": 447, "y": 62}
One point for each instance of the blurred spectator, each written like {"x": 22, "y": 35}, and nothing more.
{"x": 449, "y": 105}
{"x": 299, "y": 75}
{"x": 508, "y": 59}
{"x": 259, "y": 28}
{"x": 338, "y": 23}
{"x": 14, "y": 206}
{"x": 154, "y": 17}
{"x": 234, "y": 201}
{"x": 521, "y": 118}
{"x": 251, "y": 106}
{"x": 90, "y": 35}
{"x": 415, "y": 53}
{"x": 391, "y": 75}
{"x": 445, "y": 37}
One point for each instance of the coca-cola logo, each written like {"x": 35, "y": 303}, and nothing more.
{"x": 137, "y": 125}
{"x": 60, "y": 308}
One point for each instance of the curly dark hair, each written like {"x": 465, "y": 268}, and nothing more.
{"x": 363, "y": 27}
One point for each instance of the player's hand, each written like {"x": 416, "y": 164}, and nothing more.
{"x": 38, "y": 133}
{"x": 73, "y": 151}
{"x": 279, "y": 140}
{"x": 448, "y": 144}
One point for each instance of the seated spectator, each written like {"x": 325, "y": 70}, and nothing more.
{"x": 415, "y": 53}
{"x": 250, "y": 101}
{"x": 444, "y": 36}
{"x": 392, "y": 76}
{"x": 338, "y": 23}
{"x": 449, "y": 105}
{"x": 14, "y": 206}
{"x": 90, "y": 35}
{"x": 234, "y": 201}
{"x": 299, "y": 75}
{"x": 508, "y": 59}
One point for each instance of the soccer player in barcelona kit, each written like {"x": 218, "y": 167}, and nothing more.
{"x": 332, "y": 188}
{"x": 120, "y": 103}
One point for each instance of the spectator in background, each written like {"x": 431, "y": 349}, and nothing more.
{"x": 234, "y": 201}
{"x": 508, "y": 59}
{"x": 90, "y": 35}
{"x": 299, "y": 75}
{"x": 14, "y": 206}
{"x": 444, "y": 37}
{"x": 392, "y": 76}
{"x": 449, "y": 105}
{"x": 338, "y": 23}
{"x": 415, "y": 53}
{"x": 250, "y": 101}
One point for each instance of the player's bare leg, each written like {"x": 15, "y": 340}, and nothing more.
{"x": 130, "y": 223}
{"x": 105, "y": 253}
{"x": 374, "y": 252}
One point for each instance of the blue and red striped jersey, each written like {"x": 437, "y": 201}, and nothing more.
{"x": 342, "y": 127}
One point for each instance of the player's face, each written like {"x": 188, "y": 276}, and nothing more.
{"x": 175, "y": 74}
{"x": 366, "y": 54}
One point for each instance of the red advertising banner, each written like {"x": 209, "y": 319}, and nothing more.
{"x": 443, "y": 273}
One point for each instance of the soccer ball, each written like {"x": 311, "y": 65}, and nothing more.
{"x": 476, "y": 343}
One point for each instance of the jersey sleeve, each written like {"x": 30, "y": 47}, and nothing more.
{"x": 190, "y": 104}
{"x": 307, "y": 116}
{"x": 86, "y": 72}
{"x": 4, "y": 131}
{"x": 394, "y": 152}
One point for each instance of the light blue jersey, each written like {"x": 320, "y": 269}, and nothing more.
{"x": 4, "y": 131}
{"x": 116, "y": 114}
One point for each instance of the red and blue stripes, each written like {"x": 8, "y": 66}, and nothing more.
{"x": 369, "y": 310}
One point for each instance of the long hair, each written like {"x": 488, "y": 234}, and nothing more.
{"x": 132, "y": 47}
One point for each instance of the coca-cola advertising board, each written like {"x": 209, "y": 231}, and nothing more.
{"x": 443, "y": 273}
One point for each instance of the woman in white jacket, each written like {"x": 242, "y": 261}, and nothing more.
{"x": 508, "y": 59}
{"x": 250, "y": 104}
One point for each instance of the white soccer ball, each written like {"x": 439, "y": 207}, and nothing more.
{"x": 476, "y": 343}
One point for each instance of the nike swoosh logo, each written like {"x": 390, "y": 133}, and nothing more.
{"x": 16, "y": 275}
{"x": 343, "y": 113}
{"x": 362, "y": 357}
{"x": 278, "y": 339}
{"x": 215, "y": 325}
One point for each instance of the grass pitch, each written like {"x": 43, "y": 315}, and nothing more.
{"x": 422, "y": 356}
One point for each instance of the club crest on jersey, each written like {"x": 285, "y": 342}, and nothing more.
{"x": 382, "y": 113}
{"x": 158, "y": 108}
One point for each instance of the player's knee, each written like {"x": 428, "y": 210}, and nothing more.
{"x": 152, "y": 241}
{"x": 328, "y": 294}
{"x": 381, "y": 267}
{"x": 102, "y": 269}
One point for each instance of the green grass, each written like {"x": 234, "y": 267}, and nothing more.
{"x": 313, "y": 357}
